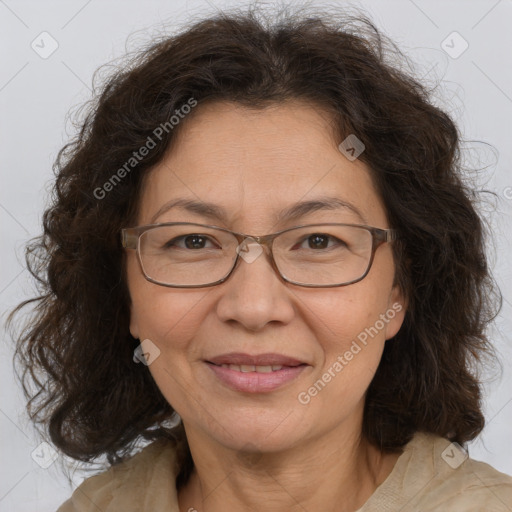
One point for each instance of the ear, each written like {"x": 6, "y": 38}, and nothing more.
{"x": 397, "y": 307}
{"x": 134, "y": 325}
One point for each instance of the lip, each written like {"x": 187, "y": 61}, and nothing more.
{"x": 255, "y": 382}
{"x": 256, "y": 360}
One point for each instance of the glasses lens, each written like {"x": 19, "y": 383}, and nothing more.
{"x": 323, "y": 254}
{"x": 192, "y": 255}
{"x": 187, "y": 255}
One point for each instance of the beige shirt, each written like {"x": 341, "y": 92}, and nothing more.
{"x": 430, "y": 475}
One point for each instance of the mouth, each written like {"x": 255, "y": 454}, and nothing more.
{"x": 260, "y": 360}
{"x": 247, "y": 368}
{"x": 255, "y": 374}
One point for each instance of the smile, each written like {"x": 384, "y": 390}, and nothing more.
{"x": 255, "y": 378}
{"x": 246, "y": 368}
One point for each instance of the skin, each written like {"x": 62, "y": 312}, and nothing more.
{"x": 246, "y": 446}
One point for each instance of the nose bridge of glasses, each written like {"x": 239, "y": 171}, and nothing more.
{"x": 251, "y": 247}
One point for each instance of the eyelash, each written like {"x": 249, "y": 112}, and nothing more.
{"x": 174, "y": 241}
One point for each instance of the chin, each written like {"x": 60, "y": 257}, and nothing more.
{"x": 256, "y": 430}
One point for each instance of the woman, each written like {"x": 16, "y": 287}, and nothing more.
{"x": 262, "y": 257}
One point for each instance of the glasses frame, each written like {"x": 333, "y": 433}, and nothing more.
{"x": 130, "y": 239}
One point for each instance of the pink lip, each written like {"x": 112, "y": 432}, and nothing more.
{"x": 254, "y": 382}
{"x": 257, "y": 360}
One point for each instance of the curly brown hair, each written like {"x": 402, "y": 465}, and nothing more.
{"x": 76, "y": 346}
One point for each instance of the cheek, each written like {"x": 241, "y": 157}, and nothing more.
{"x": 356, "y": 346}
{"x": 171, "y": 319}
{"x": 162, "y": 314}
{"x": 350, "y": 314}
{"x": 352, "y": 346}
{"x": 351, "y": 326}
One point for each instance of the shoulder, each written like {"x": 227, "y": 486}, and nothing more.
{"x": 452, "y": 480}
{"x": 464, "y": 483}
{"x": 145, "y": 481}
{"x": 435, "y": 474}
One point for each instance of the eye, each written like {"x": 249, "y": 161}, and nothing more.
{"x": 320, "y": 241}
{"x": 191, "y": 241}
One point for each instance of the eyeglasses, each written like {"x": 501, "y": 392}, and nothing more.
{"x": 190, "y": 255}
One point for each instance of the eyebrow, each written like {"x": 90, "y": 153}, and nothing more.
{"x": 293, "y": 212}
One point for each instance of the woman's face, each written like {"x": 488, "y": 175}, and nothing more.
{"x": 252, "y": 165}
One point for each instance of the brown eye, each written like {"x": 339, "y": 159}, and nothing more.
{"x": 195, "y": 241}
{"x": 192, "y": 241}
{"x": 318, "y": 241}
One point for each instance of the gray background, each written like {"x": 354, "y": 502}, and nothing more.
{"x": 37, "y": 94}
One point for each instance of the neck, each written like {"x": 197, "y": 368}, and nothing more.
{"x": 332, "y": 472}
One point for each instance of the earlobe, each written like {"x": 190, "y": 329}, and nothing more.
{"x": 397, "y": 307}
{"x": 134, "y": 328}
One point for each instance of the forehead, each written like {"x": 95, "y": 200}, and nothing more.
{"x": 256, "y": 163}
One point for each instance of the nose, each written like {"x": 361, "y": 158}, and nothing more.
{"x": 254, "y": 295}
